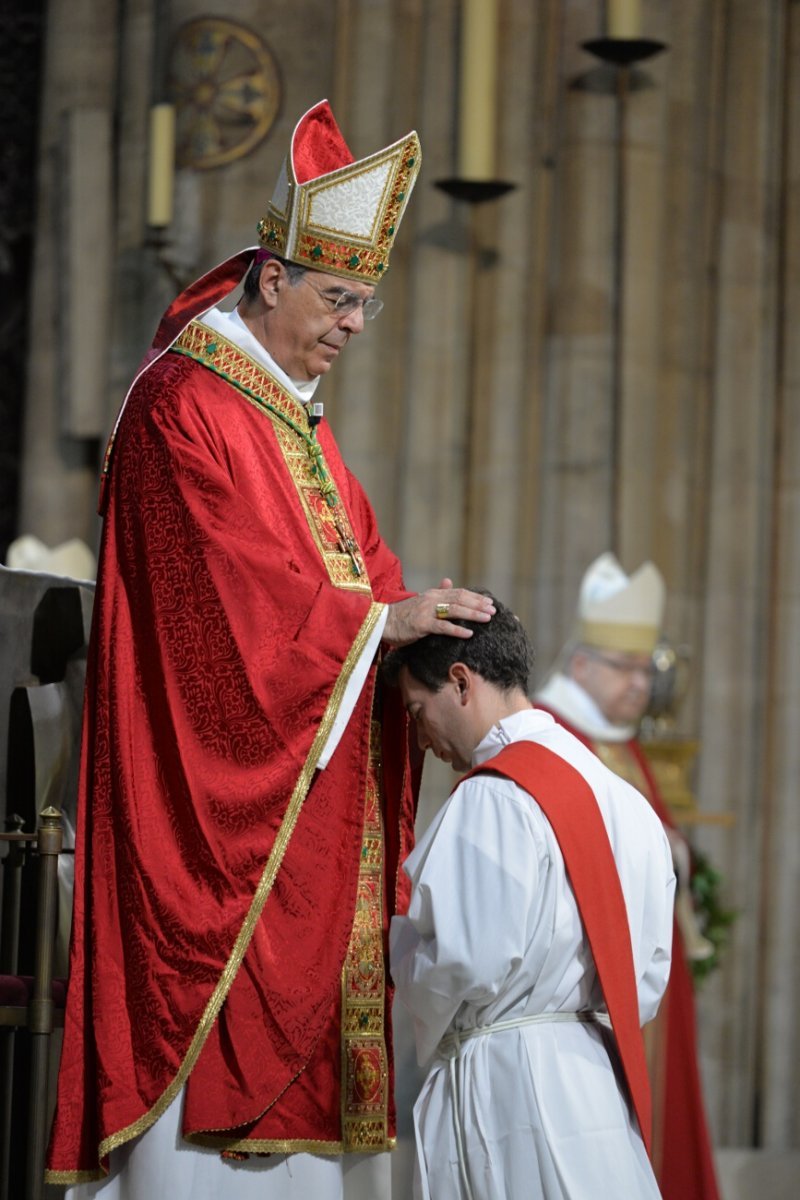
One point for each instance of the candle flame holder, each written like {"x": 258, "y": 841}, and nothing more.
{"x": 475, "y": 191}
{"x": 622, "y": 52}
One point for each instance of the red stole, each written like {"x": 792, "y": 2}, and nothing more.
{"x": 570, "y": 806}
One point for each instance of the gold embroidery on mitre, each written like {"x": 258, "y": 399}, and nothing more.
{"x": 316, "y": 228}
{"x": 326, "y": 516}
{"x": 365, "y": 1061}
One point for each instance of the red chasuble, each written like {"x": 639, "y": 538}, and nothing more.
{"x": 570, "y": 806}
{"x": 231, "y": 900}
{"x": 682, "y": 1155}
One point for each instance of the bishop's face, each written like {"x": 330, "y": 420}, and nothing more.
{"x": 306, "y": 333}
{"x": 618, "y": 682}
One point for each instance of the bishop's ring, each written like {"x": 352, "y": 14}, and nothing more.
{"x": 442, "y": 611}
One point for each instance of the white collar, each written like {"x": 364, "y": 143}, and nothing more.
{"x": 520, "y": 726}
{"x": 232, "y": 327}
{"x": 575, "y": 705}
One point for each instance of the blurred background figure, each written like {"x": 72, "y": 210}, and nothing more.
{"x": 599, "y": 690}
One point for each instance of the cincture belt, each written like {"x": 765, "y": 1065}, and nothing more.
{"x": 450, "y": 1045}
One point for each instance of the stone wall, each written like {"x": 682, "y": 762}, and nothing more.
{"x": 601, "y": 359}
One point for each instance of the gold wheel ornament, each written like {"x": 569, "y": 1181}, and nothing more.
{"x": 225, "y": 84}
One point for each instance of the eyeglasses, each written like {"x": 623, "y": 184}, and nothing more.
{"x": 647, "y": 669}
{"x": 343, "y": 302}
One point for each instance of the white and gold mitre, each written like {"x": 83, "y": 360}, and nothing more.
{"x": 72, "y": 559}
{"x": 331, "y": 213}
{"x": 620, "y": 612}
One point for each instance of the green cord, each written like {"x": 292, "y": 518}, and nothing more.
{"x": 313, "y": 448}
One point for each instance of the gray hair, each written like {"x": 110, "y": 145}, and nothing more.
{"x": 294, "y": 273}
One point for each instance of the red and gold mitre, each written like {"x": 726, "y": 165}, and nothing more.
{"x": 332, "y": 213}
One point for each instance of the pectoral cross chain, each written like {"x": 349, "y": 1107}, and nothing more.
{"x": 348, "y": 545}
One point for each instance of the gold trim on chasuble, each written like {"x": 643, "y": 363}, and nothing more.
{"x": 364, "y": 1080}
{"x": 618, "y": 758}
{"x": 265, "y": 884}
{"x": 327, "y": 517}
{"x": 365, "y": 1062}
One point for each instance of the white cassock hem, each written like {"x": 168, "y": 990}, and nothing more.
{"x": 159, "y": 1165}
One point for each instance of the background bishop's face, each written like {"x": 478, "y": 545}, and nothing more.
{"x": 619, "y": 683}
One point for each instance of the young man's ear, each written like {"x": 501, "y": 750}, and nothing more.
{"x": 462, "y": 678}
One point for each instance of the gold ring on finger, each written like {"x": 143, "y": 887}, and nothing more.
{"x": 442, "y": 611}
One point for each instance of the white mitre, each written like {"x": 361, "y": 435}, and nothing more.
{"x": 618, "y": 611}
{"x": 72, "y": 559}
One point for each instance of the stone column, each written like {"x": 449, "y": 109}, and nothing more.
{"x": 71, "y": 271}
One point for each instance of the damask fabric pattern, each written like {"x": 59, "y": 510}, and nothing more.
{"x": 212, "y": 923}
{"x": 682, "y": 1154}
{"x": 327, "y": 518}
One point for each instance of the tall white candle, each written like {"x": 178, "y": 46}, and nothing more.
{"x": 161, "y": 175}
{"x": 477, "y": 110}
{"x": 624, "y": 18}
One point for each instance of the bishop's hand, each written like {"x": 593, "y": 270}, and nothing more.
{"x": 431, "y": 612}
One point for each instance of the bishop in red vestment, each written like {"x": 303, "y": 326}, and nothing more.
{"x": 246, "y": 792}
